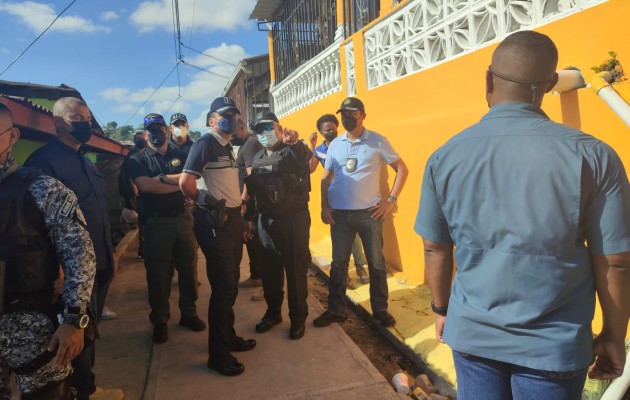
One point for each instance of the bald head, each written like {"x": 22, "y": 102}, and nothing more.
{"x": 65, "y": 105}
{"x": 524, "y": 63}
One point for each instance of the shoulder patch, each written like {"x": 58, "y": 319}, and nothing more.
{"x": 68, "y": 204}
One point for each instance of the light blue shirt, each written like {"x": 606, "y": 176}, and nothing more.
{"x": 519, "y": 195}
{"x": 359, "y": 189}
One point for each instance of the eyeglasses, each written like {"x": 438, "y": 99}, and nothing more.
{"x": 6, "y": 130}
{"x": 154, "y": 119}
{"x": 263, "y": 126}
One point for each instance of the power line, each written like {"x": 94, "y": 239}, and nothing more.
{"x": 204, "y": 70}
{"x": 207, "y": 55}
{"x": 37, "y": 38}
{"x": 177, "y": 40}
{"x": 149, "y": 98}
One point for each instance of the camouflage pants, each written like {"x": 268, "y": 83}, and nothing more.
{"x": 24, "y": 336}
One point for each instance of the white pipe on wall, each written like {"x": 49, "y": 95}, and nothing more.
{"x": 618, "y": 387}
{"x": 611, "y": 97}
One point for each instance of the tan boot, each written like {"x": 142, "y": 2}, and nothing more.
{"x": 107, "y": 394}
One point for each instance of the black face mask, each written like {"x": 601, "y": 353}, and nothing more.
{"x": 81, "y": 130}
{"x": 349, "y": 123}
{"x": 236, "y": 141}
{"x": 157, "y": 136}
{"x": 330, "y": 136}
{"x": 140, "y": 144}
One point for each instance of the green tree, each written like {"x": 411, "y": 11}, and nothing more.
{"x": 126, "y": 132}
{"x": 194, "y": 135}
{"x": 110, "y": 129}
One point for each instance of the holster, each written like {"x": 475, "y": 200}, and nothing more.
{"x": 214, "y": 211}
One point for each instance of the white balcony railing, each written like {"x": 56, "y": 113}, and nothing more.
{"x": 425, "y": 33}
{"x": 316, "y": 79}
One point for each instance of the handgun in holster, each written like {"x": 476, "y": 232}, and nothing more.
{"x": 215, "y": 210}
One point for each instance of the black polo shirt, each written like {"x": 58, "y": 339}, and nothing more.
{"x": 151, "y": 163}
{"x": 185, "y": 147}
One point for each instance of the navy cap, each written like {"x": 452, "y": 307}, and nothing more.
{"x": 153, "y": 118}
{"x": 352, "y": 104}
{"x": 223, "y": 104}
{"x": 178, "y": 117}
{"x": 266, "y": 116}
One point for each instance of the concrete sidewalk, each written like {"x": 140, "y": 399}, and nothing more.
{"x": 325, "y": 364}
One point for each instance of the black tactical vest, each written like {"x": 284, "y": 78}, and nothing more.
{"x": 30, "y": 260}
{"x": 280, "y": 183}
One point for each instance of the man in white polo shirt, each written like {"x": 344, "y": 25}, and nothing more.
{"x": 351, "y": 204}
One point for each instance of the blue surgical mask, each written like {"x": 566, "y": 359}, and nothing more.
{"x": 228, "y": 124}
{"x": 268, "y": 139}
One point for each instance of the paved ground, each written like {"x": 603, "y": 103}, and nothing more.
{"x": 325, "y": 364}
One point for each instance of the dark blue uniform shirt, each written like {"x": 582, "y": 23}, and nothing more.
{"x": 88, "y": 184}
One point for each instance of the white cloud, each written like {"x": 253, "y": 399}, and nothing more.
{"x": 38, "y": 16}
{"x": 196, "y": 95}
{"x": 207, "y": 15}
{"x": 109, "y": 15}
{"x": 4, "y": 51}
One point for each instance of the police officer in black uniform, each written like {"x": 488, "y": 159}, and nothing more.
{"x": 219, "y": 229}
{"x": 41, "y": 226}
{"x": 179, "y": 130}
{"x": 168, "y": 229}
{"x": 280, "y": 185}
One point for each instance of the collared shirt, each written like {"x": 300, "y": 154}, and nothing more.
{"x": 183, "y": 147}
{"x": 81, "y": 176}
{"x": 212, "y": 158}
{"x": 245, "y": 157}
{"x": 359, "y": 189}
{"x": 150, "y": 163}
{"x": 519, "y": 195}
{"x": 320, "y": 153}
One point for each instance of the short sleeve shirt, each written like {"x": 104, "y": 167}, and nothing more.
{"x": 358, "y": 189}
{"x": 320, "y": 153}
{"x": 150, "y": 164}
{"x": 212, "y": 158}
{"x": 519, "y": 195}
{"x": 245, "y": 157}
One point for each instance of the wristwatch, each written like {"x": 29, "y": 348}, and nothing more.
{"x": 73, "y": 316}
{"x": 162, "y": 178}
{"x": 439, "y": 310}
{"x": 392, "y": 198}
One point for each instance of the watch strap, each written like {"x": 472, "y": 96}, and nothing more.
{"x": 439, "y": 310}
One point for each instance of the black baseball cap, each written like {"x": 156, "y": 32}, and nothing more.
{"x": 178, "y": 117}
{"x": 153, "y": 118}
{"x": 223, "y": 104}
{"x": 352, "y": 104}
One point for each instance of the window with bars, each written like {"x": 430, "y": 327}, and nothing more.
{"x": 301, "y": 30}
{"x": 358, "y": 13}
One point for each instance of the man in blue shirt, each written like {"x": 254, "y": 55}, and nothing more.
{"x": 62, "y": 160}
{"x": 351, "y": 203}
{"x": 540, "y": 217}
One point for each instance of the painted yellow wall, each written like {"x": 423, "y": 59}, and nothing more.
{"x": 422, "y": 111}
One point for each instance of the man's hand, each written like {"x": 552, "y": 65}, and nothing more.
{"x": 439, "y": 327}
{"x": 289, "y": 136}
{"x": 380, "y": 210}
{"x": 313, "y": 140}
{"x": 327, "y": 217}
{"x": 610, "y": 357}
{"x": 247, "y": 231}
{"x": 68, "y": 340}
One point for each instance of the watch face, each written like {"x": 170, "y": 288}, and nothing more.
{"x": 84, "y": 320}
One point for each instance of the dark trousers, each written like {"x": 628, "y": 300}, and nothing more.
{"x": 223, "y": 248}
{"x": 286, "y": 242}
{"x": 83, "y": 379}
{"x": 170, "y": 243}
{"x": 255, "y": 252}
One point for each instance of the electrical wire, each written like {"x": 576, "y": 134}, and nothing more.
{"x": 204, "y": 70}
{"x": 149, "y": 98}
{"x": 208, "y": 55}
{"x": 37, "y": 38}
{"x": 177, "y": 40}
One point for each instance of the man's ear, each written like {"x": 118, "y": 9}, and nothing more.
{"x": 552, "y": 83}
{"x": 14, "y": 135}
{"x": 489, "y": 82}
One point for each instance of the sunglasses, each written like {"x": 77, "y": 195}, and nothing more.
{"x": 154, "y": 119}
{"x": 263, "y": 126}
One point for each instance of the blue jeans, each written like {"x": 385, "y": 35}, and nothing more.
{"x": 482, "y": 378}
{"x": 347, "y": 224}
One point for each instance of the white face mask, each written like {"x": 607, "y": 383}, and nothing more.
{"x": 268, "y": 138}
{"x": 179, "y": 132}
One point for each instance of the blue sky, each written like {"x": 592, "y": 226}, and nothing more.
{"x": 117, "y": 52}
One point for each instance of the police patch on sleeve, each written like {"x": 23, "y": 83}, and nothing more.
{"x": 69, "y": 203}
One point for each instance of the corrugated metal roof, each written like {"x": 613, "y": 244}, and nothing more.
{"x": 265, "y": 10}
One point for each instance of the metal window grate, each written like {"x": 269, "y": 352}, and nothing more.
{"x": 358, "y": 13}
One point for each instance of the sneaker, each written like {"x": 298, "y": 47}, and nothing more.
{"x": 107, "y": 314}
{"x": 327, "y": 318}
{"x": 160, "y": 333}
{"x": 249, "y": 282}
{"x": 193, "y": 323}
{"x": 107, "y": 394}
{"x": 385, "y": 318}
{"x": 258, "y": 296}
{"x": 363, "y": 276}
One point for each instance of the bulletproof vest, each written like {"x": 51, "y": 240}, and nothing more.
{"x": 31, "y": 264}
{"x": 279, "y": 183}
